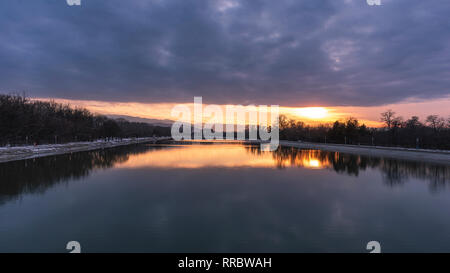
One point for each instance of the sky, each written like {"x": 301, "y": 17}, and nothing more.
{"x": 352, "y": 58}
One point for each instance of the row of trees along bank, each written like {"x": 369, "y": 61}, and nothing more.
{"x": 25, "y": 121}
{"x": 432, "y": 133}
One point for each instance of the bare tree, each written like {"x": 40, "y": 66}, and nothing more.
{"x": 388, "y": 118}
{"x": 413, "y": 123}
{"x": 435, "y": 122}
{"x": 398, "y": 122}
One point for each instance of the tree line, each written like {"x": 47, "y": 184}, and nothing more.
{"x": 432, "y": 133}
{"x": 25, "y": 121}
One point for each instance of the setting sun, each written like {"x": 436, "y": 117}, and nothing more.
{"x": 312, "y": 112}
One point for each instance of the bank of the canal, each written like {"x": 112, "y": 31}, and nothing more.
{"x": 27, "y": 152}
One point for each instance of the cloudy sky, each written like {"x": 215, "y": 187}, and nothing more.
{"x": 288, "y": 52}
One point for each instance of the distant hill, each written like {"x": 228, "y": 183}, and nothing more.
{"x": 156, "y": 122}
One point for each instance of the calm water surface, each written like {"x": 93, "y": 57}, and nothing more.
{"x": 222, "y": 198}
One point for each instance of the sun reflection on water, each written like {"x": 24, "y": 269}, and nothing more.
{"x": 220, "y": 155}
{"x": 313, "y": 163}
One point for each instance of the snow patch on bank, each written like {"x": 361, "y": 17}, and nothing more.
{"x": 30, "y": 151}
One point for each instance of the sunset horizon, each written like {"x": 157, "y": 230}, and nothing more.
{"x": 368, "y": 115}
{"x": 338, "y": 56}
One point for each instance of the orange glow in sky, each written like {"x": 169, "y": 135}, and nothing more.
{"x": 311, "y": 115}
{"x": 318, "y": 113}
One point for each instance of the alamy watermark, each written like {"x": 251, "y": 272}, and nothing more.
{"x": 73, "y": 2}
{"x": 74, "y": 246}
{"x": 373, "y": 2}
{"x": 261, "y": 123}
{"x": 78, "y": 2}
{"x": 374, "y": 247}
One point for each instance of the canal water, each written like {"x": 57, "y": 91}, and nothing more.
{"x": 222, "y": 198}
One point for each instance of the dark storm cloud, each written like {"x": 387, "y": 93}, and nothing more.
{"x": 228, "y": 51}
